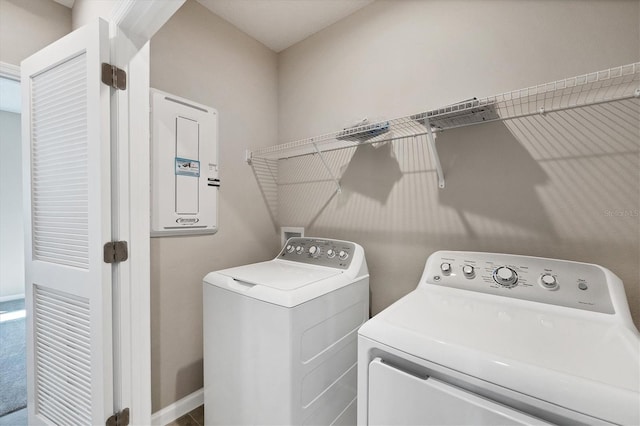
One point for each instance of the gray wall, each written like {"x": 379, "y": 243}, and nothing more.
{"x": 11, "y": 223}
{"x": 27, "y": 26}
{"x": 199, "y": 56}
{"x": 543, "y": 186}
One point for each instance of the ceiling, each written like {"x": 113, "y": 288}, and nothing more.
{"x": 279, "y": 24}
{"x": 68, "y": 3}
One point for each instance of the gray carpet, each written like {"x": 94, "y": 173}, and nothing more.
{"x": 13, "y": 361}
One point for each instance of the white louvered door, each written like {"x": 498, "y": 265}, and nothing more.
{"x": 66, "y": 151}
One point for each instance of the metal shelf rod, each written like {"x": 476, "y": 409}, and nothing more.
{"x": 340, "y": 148}
{"x": 435, "y": 131}
{"x": 621, "y": 78}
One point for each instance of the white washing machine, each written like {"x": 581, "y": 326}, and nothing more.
{"x": 496, "y": 339}
{"x": 280, "y": 337}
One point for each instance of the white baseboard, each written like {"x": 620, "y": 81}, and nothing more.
{"x": 178, "y": 408}
{"x": 11, "y": 297}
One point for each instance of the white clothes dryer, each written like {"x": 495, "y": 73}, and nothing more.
{"x": 280, "y": 337}
{"x": 488, "y": 339}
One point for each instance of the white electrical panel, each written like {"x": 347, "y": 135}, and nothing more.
{"x": 184, "y": 166}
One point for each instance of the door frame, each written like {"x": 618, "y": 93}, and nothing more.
{"x": 133, "y": 23}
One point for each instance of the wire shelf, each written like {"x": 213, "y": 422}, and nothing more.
{"x": 610, "y": 85}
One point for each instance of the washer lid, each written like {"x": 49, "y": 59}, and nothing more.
{"x": 280, "y": 275}
{"x": 280, "y": 282}
{"x": 580, "y": 360}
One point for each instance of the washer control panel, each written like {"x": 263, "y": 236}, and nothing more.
{"x": 316, "y": 251}
{"x": 557, "y": 282}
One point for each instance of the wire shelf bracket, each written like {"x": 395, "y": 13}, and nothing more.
{"x": 434, "y": 153}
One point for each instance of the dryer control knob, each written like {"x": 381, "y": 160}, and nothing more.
{"x": 469, "y": 271}
{"x": 290, "y": 248}
{"x": 343, "y": 255}
{"x": 331, "y": 253}
{"x": 314, "y": 251}
{"x": 505, "y": 276}
{"x": 299, "y": 250}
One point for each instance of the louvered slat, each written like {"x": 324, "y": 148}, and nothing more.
{"x": 75, "y": 394}
{"x": 59, "y": 164}
{"x": 57, "y": 238}
{"x": 63, "y": 356}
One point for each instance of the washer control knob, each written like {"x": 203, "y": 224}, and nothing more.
{"x": 290, "y": 248}
{"x": 299, "y": 250}
{"x": 343, "y": 255}
{"x": 331, "y": 253}
{"x": 505, "y": 276}
{"x": 314, "y": 251}
{"x": 469, "y": 271}
{"x": 548, "y": 281}
{"x": 445, "y": 268}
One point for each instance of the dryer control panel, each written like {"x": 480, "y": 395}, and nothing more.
{"x": 316, "y": 251}
{"x": 557, "y": 282}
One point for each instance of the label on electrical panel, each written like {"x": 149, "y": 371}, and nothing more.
{"x": 186, "y": 167}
